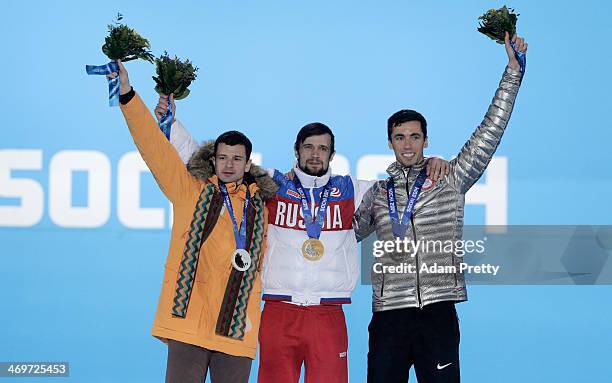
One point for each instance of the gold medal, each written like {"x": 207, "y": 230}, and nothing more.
{"x": 312, "y": 249}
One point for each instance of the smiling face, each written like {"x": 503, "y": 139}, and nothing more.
{"x": 231, "y": 163}
{"x": 314, "y": 154}
{"x": 408, "y": 142}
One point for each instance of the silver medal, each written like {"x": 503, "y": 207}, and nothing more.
{"x": 241, "y": 260}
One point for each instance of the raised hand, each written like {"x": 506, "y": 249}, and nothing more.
{"x": 124, "y": 80}
{"x": 521, "y": 46}
{"x": 162, "y": 106}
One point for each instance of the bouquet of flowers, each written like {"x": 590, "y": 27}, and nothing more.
{"x": 173, "y": 76}
{"x": 122, "y": 43}
{"x": 125, "y": 44}
{"x": 496, "y": 22}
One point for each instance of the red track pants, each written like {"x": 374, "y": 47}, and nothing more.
{"x": 290, "y": 335}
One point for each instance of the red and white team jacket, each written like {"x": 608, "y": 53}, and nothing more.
{"x": 286, "y": 274}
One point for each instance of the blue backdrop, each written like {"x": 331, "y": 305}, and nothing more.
{"x": 83, "y": 249}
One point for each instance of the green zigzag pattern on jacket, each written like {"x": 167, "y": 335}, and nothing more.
{"x": 191, "y": 253}
{"x": 238, "y": 323}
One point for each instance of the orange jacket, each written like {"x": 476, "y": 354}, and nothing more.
{"x": 214, "y": 264}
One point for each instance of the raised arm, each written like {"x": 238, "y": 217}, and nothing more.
{"x": 180, "y": 138}
{"x": 160, "y": 156}
{"x": 474, "y": 157}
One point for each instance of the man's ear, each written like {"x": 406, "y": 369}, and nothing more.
{"x": 247, "y": 168}
{"x": 332, "y": 156}
{"x": 212, "y": 159}
{"x": 426, "y": 143}
{"x": 390, "y": 145}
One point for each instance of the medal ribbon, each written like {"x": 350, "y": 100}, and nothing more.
{"x": 113, "y": 83}
{"x": 239, "y": 233}
{"x": 313, "y": 226}
{"x": 399, "y": 227}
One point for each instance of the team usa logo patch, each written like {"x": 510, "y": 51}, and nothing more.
{"x": 428, "y": 184}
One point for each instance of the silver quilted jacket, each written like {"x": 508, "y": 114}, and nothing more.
{"x": 438, "y": 215}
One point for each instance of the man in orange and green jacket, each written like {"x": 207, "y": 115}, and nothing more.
{"x": 209, "y": 307}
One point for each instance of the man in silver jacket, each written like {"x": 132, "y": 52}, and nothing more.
{"x": 414, "y": 320}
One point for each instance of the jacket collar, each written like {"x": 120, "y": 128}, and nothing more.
{"x": 309, "y": 181}
{"x": 234, "y": 187}
{"x": 399, "y": 171}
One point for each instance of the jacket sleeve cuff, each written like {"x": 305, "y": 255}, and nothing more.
{"x": 125, "y": 98}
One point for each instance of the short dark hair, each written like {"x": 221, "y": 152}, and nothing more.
{"x": 406, "y": 115}
{"x": 313, "y": 129}
{"x": 232, "y": 138}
